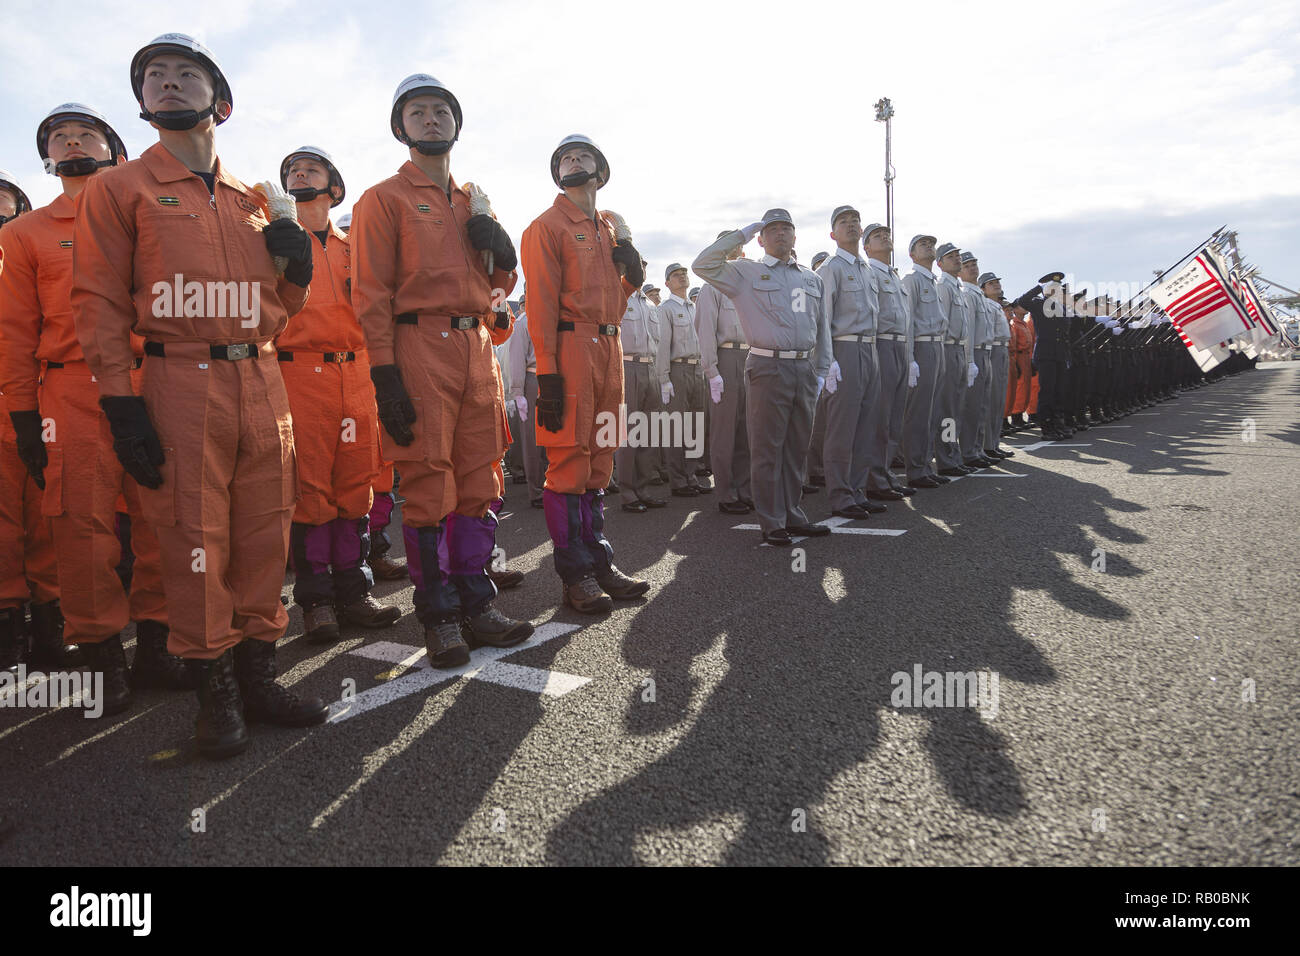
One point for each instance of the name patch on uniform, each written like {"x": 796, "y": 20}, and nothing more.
{"x": 65, "y": 243}
{"x": 765, "y": 277}
{"x": 247, "y": 204}
{"x": 168, "y": 201}
{"x": 422, "y": 207}
{"x": 580, "y": 236}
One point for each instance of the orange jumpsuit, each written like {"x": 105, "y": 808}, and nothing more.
{"x": 1031, "y": 404}
{"x": 326, "y": 371}
{"x": 83, "y": 480}
{"x": 223, "y": 511}
{"x": 27, "y": 563}
{"x": 1018, "y": 380}
{"x": 425, "y": 301}
{"x": 576, "y": 301}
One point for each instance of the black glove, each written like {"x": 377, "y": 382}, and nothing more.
{"x": 284, "y": 237}
{"x": 31, "y": 449}
{"x": 134, "y": 440}
{"x": 395, "y": 408}
{"x": 625, "y": 254}
{"x": 550, "y": 402}
{"x": 486, "y": 233}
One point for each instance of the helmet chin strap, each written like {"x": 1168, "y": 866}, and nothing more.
{"x": 308, "y": 193}
{"x": 5, "y": 219}
{"x": 580, "y": 178}
{"x": 178, "y": 120}
{"x": 432, "y": 147}
{"x": 81, "y": 166}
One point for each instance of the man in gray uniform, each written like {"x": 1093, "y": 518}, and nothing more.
{"x": 999, "y": 366}
{"x": 522, "y": 364}
{"x": 959, "y": 369}
{"x": 815, "y": 469}
{"x": 853, "y": 383}
{"x": 723, "y": 352}
{"x": 779, "y": 304}
{"x": 681, "y": 383}
{"x": 638, "y": 335}
{"x": 893, "y": 361}
{"x": 926, "y": 331}
{"x": 975, "y": 411}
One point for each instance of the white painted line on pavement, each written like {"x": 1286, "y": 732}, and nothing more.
{"x": 482, "y": 666}
{"x": 835, "y": 529}
{"x": 992, "y": 474}
{"x": 1049, "y": 444}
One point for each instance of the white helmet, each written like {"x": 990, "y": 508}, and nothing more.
{"x": 85, "y": 165}
{"x": 335, "y": 177}
{"x": 577, "y": 139}
{"x": 185, "y": 45}
{"x": 345, "y": 222}
{"x": 7, "y": 181}
{"x": 414, "y": 85}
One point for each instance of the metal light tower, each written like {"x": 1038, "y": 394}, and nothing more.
{"x": 885, "y": 114}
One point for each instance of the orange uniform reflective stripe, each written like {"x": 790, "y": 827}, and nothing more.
{"x": 327, "y": 322}
{"x": 571, "y": 276}
{"x": 410, "y": 253}
{"x": 140, "y": 226}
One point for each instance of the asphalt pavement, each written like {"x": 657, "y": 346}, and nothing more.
{"x": 1128, "y": 599}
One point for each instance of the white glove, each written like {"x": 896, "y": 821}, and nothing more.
{"x": 913, "y": 375}
{"x": 715, "y": 389}
{"x": 1102, "y": 319}
{"x": 821, "y": 383}
{"x": 972, "y": 373}
{"x": 666, "y": 392}
{"x": 833, "y": 378}
{"x": 752, "y": 230}
{"x": 1116, "y": 330}
{"x": 521, "y": 404}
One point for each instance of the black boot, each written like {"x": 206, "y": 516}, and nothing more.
{"x": 48, "y": 650}
{"x": 154, "y": 667}
{"x": 11, "y": 638}
{"x": 264, "y": 699}
{"x": 493, "y": 628}
{"x": 384, "y": 567}
{"x": 220, "y": 729}
{"x": 109, "y": 658}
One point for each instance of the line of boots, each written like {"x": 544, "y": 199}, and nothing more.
{"x": 583, "y": 555}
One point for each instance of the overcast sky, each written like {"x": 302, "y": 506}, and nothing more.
{"x": 1100, "y": 138}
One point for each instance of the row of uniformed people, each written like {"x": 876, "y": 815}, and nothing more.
{"x": 195, "y": 427}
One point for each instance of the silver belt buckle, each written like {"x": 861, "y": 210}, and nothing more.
{"x": 463, "y": 322}
{"x": 240, "y": 351}
{"x": 339, "y": 357}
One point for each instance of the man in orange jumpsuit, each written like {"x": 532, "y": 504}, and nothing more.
{"x": 427, "y": 275}
{"x": 326, "y": 373}
{"x": 1021, "y": 356}
{"x": 63, "y": 436}
{"x": 579, "y": 279}
{"x": 27, "y": 565}
{"x": 210, "y": 439}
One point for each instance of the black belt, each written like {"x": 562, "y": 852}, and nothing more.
{"x": 135, "y": 363}
{"x": 563, "y": 326}
{"x": 328, "y": 356}
{"x": 228, "y": 353}
{"x": 459, "y": 323}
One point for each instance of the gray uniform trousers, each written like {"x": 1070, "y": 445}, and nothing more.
{"x": 918, "y": 428}
{"x": 947, "y": 408}
{"x": 636, "y": 466}
{"x": 534, "y": 456}
{"x": 849, "y": 426}
{"x": 782, "y": 394}
{"x": 817, "y": 447}
{"x": 1000, "y": 368}
{"x": 688, "y": 400}
{"x": 728, "y": 435}
{"x": 974, "y": 409}
{"x": 887, "y": 415}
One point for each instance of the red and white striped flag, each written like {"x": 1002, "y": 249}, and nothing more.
{"x": 1261, "y": 312}
{"x": 1206, "y": 358}
{"x": 1201, "y": 301}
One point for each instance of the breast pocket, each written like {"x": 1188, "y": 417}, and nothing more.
{"x": 771, "y": 293}
{"x": 173, "y": 242}
{"x": 928, "y": 294}
{"x": 429, "y": 248}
